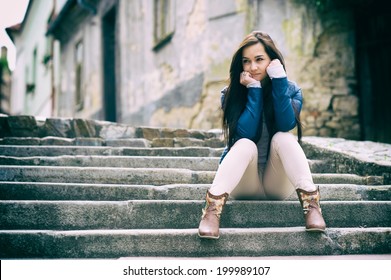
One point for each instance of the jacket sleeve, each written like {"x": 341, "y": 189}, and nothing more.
{"x": 250, "y": 118}
{"x": 285, "y": 96}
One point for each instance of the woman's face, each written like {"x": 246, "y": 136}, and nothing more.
{"x": 255, "y": 61}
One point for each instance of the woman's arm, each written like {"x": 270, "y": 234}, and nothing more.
{"x": 250, "y": 119}
{"x": 284, "y": 96}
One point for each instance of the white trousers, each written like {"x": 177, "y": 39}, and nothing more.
{"x": 286, "y": 170}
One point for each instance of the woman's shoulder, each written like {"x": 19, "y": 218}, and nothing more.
{"x": 222, "y": 96}
{"x": 294, "y": 90}
{"x": 293, "y": 85}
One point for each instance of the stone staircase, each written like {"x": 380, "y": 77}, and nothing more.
{"x": 73, "y": 188}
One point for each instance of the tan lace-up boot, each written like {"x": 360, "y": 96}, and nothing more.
{"x": 312, "y": 212}
{"x": 210, "y": 221}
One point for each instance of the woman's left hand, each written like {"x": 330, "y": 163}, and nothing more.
{"x": 246, "y": 78}
{"x": 275, "y": 69}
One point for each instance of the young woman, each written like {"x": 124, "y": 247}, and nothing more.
{"x": 262, "y": 160}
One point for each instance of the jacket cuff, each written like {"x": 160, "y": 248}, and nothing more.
{"x": 276, "y": 71}
{"x": 256, "y": 84}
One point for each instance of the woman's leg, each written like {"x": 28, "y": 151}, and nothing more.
{"x": 238, "y": 171}
{"x": 287, "y": 160}
{"x": 238, "y": 175}
{"x": 287, "y": 166}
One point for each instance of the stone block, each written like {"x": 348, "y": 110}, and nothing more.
{"x": 23, "y": 126}
{"x": 162, "y": 142}
{"x": 108, "y": 130}
{"x": 90, "y": 141}
{"x": 189, "y": 142}
{"x": 346, "y": 105}
{"x": 58, "y": 127}
{"x": 4, "y": 128}
{"x": 148, "y": 133}
{"x": 83, "y": 128}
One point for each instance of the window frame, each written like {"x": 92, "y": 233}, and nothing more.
{"x": 163, "y": 23}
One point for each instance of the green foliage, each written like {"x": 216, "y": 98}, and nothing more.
{"x": 4, "y": 65}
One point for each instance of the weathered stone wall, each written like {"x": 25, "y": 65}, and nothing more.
{"x": 168, "y": 86}
{"x": 321, "y": 58}
{"x": 5, "y": 83}
{"x": 178, "y": 85}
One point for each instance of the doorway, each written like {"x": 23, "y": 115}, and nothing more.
{"x": 373, "y": 37}
{"x": 109, "y": 65}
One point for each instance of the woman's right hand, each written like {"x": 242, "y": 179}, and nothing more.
{"x": 246, "y": 79}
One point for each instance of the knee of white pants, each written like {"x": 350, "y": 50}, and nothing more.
{"x": 247, "y": 148}
{"x": 282, "y": 138}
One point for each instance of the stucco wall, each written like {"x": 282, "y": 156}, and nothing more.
{"x": 175, "y": 85}
{"x": 32, "y": 37}
{"x": 87, "y": 32}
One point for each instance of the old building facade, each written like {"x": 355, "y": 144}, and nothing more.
{"x": 5, "y": 83}
{"x": 33, "y": 79}
{"x": 163, "y": 62}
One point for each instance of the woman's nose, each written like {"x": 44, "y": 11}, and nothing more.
{"x": 253, "y": 66}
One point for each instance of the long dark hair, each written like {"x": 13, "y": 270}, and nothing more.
{"x": 236, "y": 95}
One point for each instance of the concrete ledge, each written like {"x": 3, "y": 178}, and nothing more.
{"x": 357, "y": 157}
{"x": 158, "y": 214}
{"x": 251, "y": 242}
{"x": 29, "y": 126}
{"x": 121, "y": 192}
{"x": 144, "y": 176}
{"x": 37, "y": 151}
{"x": 192, "y": 163}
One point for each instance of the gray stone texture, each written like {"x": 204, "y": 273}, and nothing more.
{"x": 91, "y": 189}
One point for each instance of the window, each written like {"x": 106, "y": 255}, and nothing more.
{"x": 48, "y": 51}
{"x": 32, "y": 80}
{"x": 164, "y": 22}
{"x": 79, "y": 75}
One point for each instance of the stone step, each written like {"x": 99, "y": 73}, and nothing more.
{"x": 119, "y": 192}
{"x": 30, "y": 126}
{"x": 145, "y": 176}
{"x": 129, "y": 142}
{"x": 192, "y": 163}
{"x": 36, "y": 151}
{"x": 159, "y": 214}
{"x": 82, "y": 141}
{"x": 233, "y": 242}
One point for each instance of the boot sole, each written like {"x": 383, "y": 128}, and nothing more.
{"x": 208, "y": 237}
{"x": 315, "y": 230}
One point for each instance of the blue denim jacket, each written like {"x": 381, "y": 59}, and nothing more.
{"x": 284, "y": 93}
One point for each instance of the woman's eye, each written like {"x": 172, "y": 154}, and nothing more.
{"x": 245, "y": 61}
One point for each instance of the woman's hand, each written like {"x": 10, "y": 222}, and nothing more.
{"x": 275, "y": 69}
{"x": 246, "y": 79}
